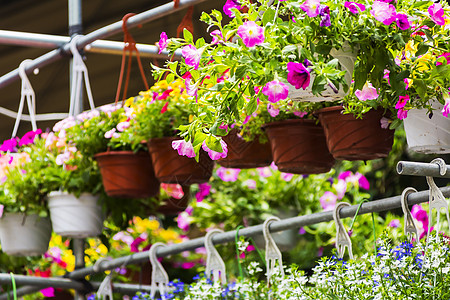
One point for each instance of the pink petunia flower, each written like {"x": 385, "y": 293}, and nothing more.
{"x": 162, "y": 44}
{"x": 276, "y": 91}
{"x": 362, "y": 181}
{"x": 111, "y": 134}
{"x": 264, "y": 172}
{"x": 402, "y": 114}
{"x": 217, "y": 37}
{"x": 165, "y": 94}
{"x": 249, "y": 183}
{"x": 344, "y": 175}
{"x": 251, "y": 34}
{"x": 273, "y": 112}
{"x": 341, "y": 188}
{"x": 368, "y": 92}
{"x": 228, "y": 174}
{"x": 203, "y": 191}
{"x": 354, "y": 7}
{"x": 9, "y": 145}
{"x": 328, "y": 201}
{"x": 446, "y": 109}
{"x": 214, "y": 155}
{"x": 173, "y": 190}
{"x": 298, "y": 75}
{"x": 394, "y": 223}
{"x": 383, "y": 12}
{"x": 184, "y": 148}
{"x": 122, "y": 126}
{"x": 229, "y": 5}
{"x": 402, "y": 101}
{"x": 446, "y": 55}
{"x": 402, "y": 21}
{"x": 287, "y": 176}
{"x": 191, "y": 56}
{"x": 437, "y": 13}
{"x": 311, "y": 7}
{"x": 184, "y": 220}
{"x": 300, "y": 114}
{"x": 191, "y": 89}
{"x": 28, "y": 138}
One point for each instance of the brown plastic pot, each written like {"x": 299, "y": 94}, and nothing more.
{"x": 173, "y": 206}
{"x": 349, "y": 138}
{"x": 299, "y": 146}
{"x": 173, "y": 168}
{"x": 245, "y": 155}
{"x": 127, "y": 174}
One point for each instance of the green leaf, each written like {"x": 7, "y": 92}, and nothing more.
{"x": 421, "y": 87}
{"x": 213, "y": 143}
{"x": 188, "y": 36}
{"x": 251, "y": 106}
{"x": 396, "y": 123}
{"x": 268, "y": 16}
{"x": 170, "y": 77}
{"x": 289, "y": 49}
{"x": 423, "y": 48}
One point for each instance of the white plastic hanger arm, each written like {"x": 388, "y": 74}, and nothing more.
{"x": 214, "y": 263}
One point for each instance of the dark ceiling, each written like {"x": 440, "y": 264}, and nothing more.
{"x": 51, "y": 85}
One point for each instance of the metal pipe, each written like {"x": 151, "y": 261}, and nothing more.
{"x": 78, "y": 251}
{"x": 100, "y": 46}
{"x": 420, "y": 169}
{"x": 103, "y": 32}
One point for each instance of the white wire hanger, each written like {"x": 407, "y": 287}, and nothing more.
{"x": 436, "y": 198}
{"x": 342, "y": 237}
{"x": 214, "y": 263}
{"x": 160, "y": 279}
{"x": 105, "y": 290}
{"x": 273, "y": 254}
{"x": 27, "y": 93}
{"x": 79, "y": 72}
{"x": 410, "y": 227}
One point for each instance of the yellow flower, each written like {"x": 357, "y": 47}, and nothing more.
{"x": 153, "y": 224}
{"x": 423, "y": 62}
{"x": 411, "y": 47}
{"x": 169, "y": 235}
{"x": 129, "y": 101}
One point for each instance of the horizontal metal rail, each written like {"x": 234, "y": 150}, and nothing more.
{"x": 420, "y": 169}
{"x": 104, "y": 32}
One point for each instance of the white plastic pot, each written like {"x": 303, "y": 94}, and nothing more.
{"x": 75, "y": 217}
{"x": 24, "y": 235}
{"x": 347, "y": 58}
{"x": 425, "y": 135}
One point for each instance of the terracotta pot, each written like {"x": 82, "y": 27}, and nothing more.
{"x": 349, "y": 138}
{"x": 173, "y": 206}
{"x": 127, "y": 174}
{"x": 173, "y": 168}
{"x": 245, "y": 155}
{"x": 298, "y": 146}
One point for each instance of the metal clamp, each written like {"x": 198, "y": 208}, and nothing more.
{"x": 214, "y": 263}
{"x": 410, "y": 227}
{"x": 105, "y": 289}
{"x": 342, "y": 237}
{"x": 160, "y": 279}
{"x": 436, "y": 198}
{"x": 273, "y": 254}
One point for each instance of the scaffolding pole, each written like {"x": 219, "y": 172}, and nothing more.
{"x": 104, "y": 32}
{"x": 420, "y": 169}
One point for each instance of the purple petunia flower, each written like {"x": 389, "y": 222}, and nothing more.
{"x": 383, "y": 12}
{"x": 229, "y": 5}
{"x": 437, "y": 13}
{"x": 324, "y": 13}
{"x": 354, "y": 7}
{"x": 191, "y": 56}
{"x": 228, "y": 174}
{"x": 311, "y": 7}
{"x": 184, "y": 148}
{"x": 275, "y": 90}
{"x": 298, "y": 75}
{"x": 251, "y": 34}
{"x": 402, "y": 21}
{"x": 162, "y": 44}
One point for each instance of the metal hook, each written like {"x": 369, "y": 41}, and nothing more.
{"x": 410, "y": 227}
{"x": 214, "y": 263}
{"x": 273, "y": 254}
{"x": 27, "y": 93}
{"x": 105, "y": 289}
{"x": 436, "y": 198}
{"x": 160, "y": 279}
{"x": 342, "y": 237}
{"x": 79, "y": 72}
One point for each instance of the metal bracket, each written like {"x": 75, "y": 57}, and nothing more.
{"x": 160, "y": 279}
{"x": 410, "y": 227}
{"x": 273, "y": 254}
{"x": 214, "y": 263}
{"x": 105, "y": 290}
{"x": 342, "y": 237}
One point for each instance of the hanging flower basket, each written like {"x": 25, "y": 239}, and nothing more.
{"x": 299, "y": 146}
{"x": 349, "y": 138}
{"x": 347, "y": 58}
{"x": 24, "y": 235}
{"x": 172, "y": 168}
{"x": 127, "y": 174}
{"x": 245, "y": 155}
{"x": 428, "y": 135}
{"x": 75, "y": 217}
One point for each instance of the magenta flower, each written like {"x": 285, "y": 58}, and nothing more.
{"x": 162, "y": 44}
{"x": 9, "y": 145}
{"x": 368, "y": 92}
{"x": 165, "y": 94}
{"x": 48, "y": 292}
{"x": 402, "y": 114}
{"x": 214, "y": 155}
{"x": 191, "y": 56}
{"x": 446, "y": 109}
{"x": 394, "y": 223}
{"x": 184, "y": 220}
{"x": 402, "y": 21}
{"x": 298, "y": 75}
{"x": 286, "y": 176}
{"x": 228, "y": 174}
{"x": 328, "y": 200}
{"x": 217, "y": 37}
{"x": 437, "y": 14}
{"x": 251, "y": 34}
{"x": 134, "y": 247}
{"x": 203, "y": 191}
{"x": 249, "y": 183}
{"x": 301, "y": 231}
{"x": 362, "y": 181}
{"x": 273, "y": 166}
{"x": 264, "y": 172}
{"x": 28, "y": 138}
{"x": 383, "y": 12}
{"x": 344, "y": 175}
{"x": 354, "y": 7}
{"x": 273, "y": 112}
{"x": 184, "y": 148}
{"x": 311, "y": 7}
{"x": 300, "y": 114}
{"x": 446, "y": 55}
{"x": 229, "y": 5}
{"x": 324, "y": 13}
{"x": 402, "y": 101}
{"x": 276, "y": 91}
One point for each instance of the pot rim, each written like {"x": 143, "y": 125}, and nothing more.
{"x": 288, "y": 122}
{"x": 120, "y": 153}
{"x": 329, "y": 109}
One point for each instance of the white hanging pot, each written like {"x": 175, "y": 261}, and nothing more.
{"x": 75, "y": 217}
{"x": 347, "y": 58}
{"x": 24, "y": 235}
{"x": 425, "y": 135}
